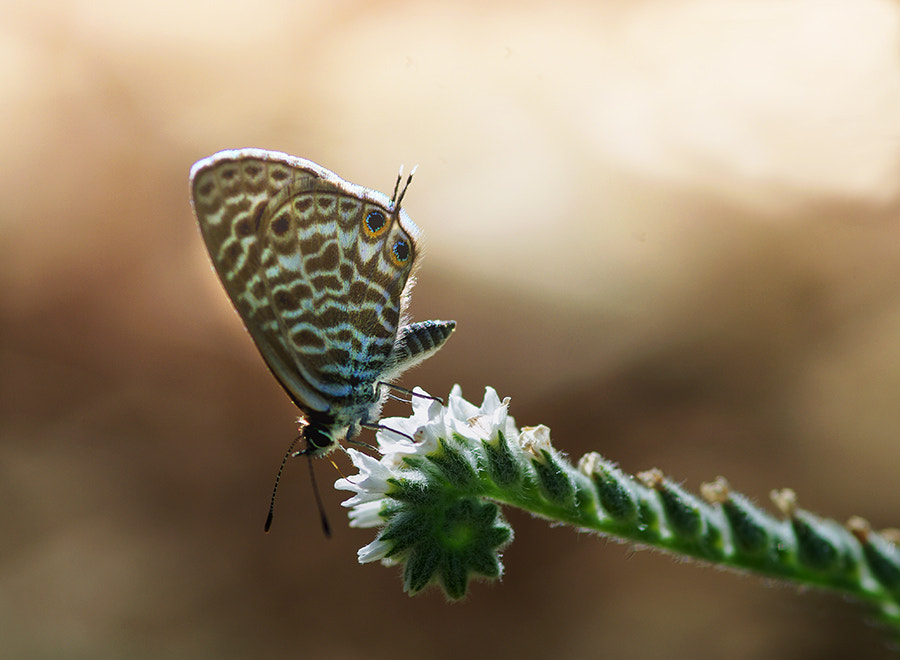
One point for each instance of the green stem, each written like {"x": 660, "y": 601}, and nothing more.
{"x": 726, "y": 529}
{"x": 439, "y": 509}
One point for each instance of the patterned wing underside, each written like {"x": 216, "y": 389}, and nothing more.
{"x": 321, "y": 296}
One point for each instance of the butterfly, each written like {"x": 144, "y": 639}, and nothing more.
{"x": 320, "y": 272}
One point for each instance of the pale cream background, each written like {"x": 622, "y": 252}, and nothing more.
{"x": 668, "y": 230}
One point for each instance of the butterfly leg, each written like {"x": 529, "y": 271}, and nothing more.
{"x": 410, "y": 393}
{"x": 362, "y": 444}
{"x": 382, "y": 427}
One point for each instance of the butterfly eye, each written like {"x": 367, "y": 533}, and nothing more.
{"x": 400, "y": 252}
{"x": 317, "y": 438}
{"x": 375, "y": 222}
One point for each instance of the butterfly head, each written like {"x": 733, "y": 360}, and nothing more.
{"x": 321, "y": 437}
{"x": 323, "y": 433}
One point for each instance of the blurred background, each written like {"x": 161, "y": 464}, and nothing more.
{"x": 667, "y": 230}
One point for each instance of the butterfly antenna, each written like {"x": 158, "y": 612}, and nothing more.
{"x": 397, "y": 185}
{"x": 408, "y": 181}
{"x": 287, "y": 455}
{"x": 312, "y": 477}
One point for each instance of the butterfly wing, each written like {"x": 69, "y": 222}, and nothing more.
{"x": 317, "y": 282}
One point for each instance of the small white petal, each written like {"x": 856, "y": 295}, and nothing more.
{"x": 491, "y": 401}
{"x": 369, "y": 484}
{"x": 373, "y": 552}
{"x": 458, "y": 407}
{"x": 366, "y": 514}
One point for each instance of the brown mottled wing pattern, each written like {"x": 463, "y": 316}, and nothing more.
{"x": 314, "y": 273}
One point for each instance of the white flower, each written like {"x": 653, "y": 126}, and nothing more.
{"x": 483, "y": 422}
{"x": 535, "y": 440}
{"x": 371, "y": 482}
{"x": 430, "y": 422}
{"x": 374, "y": 551}
{"x": 366, "y": 514}
{"x": 590, "y": 463}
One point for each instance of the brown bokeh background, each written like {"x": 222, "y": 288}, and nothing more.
{"x": 668, "y": 230}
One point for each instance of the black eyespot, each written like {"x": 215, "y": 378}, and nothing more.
{"x": 401, "y": 251}
{"x": 375, "y": 221}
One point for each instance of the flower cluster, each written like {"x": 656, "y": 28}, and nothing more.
{"x": 426, "y": 496}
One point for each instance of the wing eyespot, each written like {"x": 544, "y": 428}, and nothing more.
{"x": 375, "y": 223}
{"x": 400, "y": 253}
